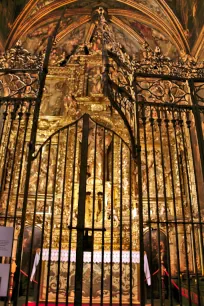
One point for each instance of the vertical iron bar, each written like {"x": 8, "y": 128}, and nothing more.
{"x": 93, "y": 215}
{"x": 196, "y": 182}
{"x": 51, "y": 223}
{"x": 121, "y": 220}
{"x": 157, "y": 206}
{"x": 13, "y": 165}
{"x": 130, "y": 208}
{"x": 81, "y": 213}
{"x": 144, "y": 120}
{"x": 71, "y": 213}
{"x": 5, "y": 114}
{"x": 140, "y": 198}
{"x": 111, "y": 244}
{"x": 43, "y": 223}
{"x": 33, "y": 230}
{"x": 182, "y": 200}
{"x": 3, "y": 177}
{"x": 21, "y": 161}
{"x": 174, "y": 201}
{"x": 13, "y": 117}
{"x": 62, "y": 212}
{"x": 159, "y": 121}
{"x": 103, "y": 215}
{"x": 190, "y": 201}
{"x": 53, "y": 213}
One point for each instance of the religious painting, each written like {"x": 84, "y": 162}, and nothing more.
{"x": 44, "y": 182}
{"x": 70, "y": 42}
{"x": 29, "y": 251}
{"x": 153, "y": 37}
{"x": 154, "y": 7}
{"x": 152, "y": 247}
{"x": 190, "y": 14}
{"x": 36, "y": 39}
{"x": 58, "y": 98}
{"x": 130, "y": 45}
{"x": 52, "y": 102}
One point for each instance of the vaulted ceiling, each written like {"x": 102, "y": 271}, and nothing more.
{"x": 176, "y": 26}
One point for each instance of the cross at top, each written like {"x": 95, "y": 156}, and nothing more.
{"x": 100, "y": 11}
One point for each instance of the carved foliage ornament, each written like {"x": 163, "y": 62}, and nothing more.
{"x": 155, "y": 63}
{"x": 19, "y": 58}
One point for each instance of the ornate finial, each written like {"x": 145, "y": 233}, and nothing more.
{"x": 19, "y": 43}
{"x": 100, "y": 16}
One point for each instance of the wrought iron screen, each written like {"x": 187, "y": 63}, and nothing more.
{"x": 99, "y": 219}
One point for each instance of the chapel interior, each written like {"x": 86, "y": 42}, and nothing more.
{"x": 102, "y": 152}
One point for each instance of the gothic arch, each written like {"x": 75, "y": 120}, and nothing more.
{"x": 172, "y": 29}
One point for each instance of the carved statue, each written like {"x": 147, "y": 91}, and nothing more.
{"x": 70, "y": 106}
{"x": 95, "y": 81}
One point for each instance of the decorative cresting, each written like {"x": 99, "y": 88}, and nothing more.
{"x": 19, "y": 58}
{"x": 19, "y": 73}
{"x": 154, "y": 62}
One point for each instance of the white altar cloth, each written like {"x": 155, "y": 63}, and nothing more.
{"x": 97, "y": 258}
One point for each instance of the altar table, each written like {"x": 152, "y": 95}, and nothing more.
{"x": 97, "y": 270}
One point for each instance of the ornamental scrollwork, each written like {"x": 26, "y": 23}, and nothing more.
{"x": 19, "y": 84}
{"x": 163, "y": 91}
{"x": 199, "y": 93}
{"x": 19, "y": 73}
